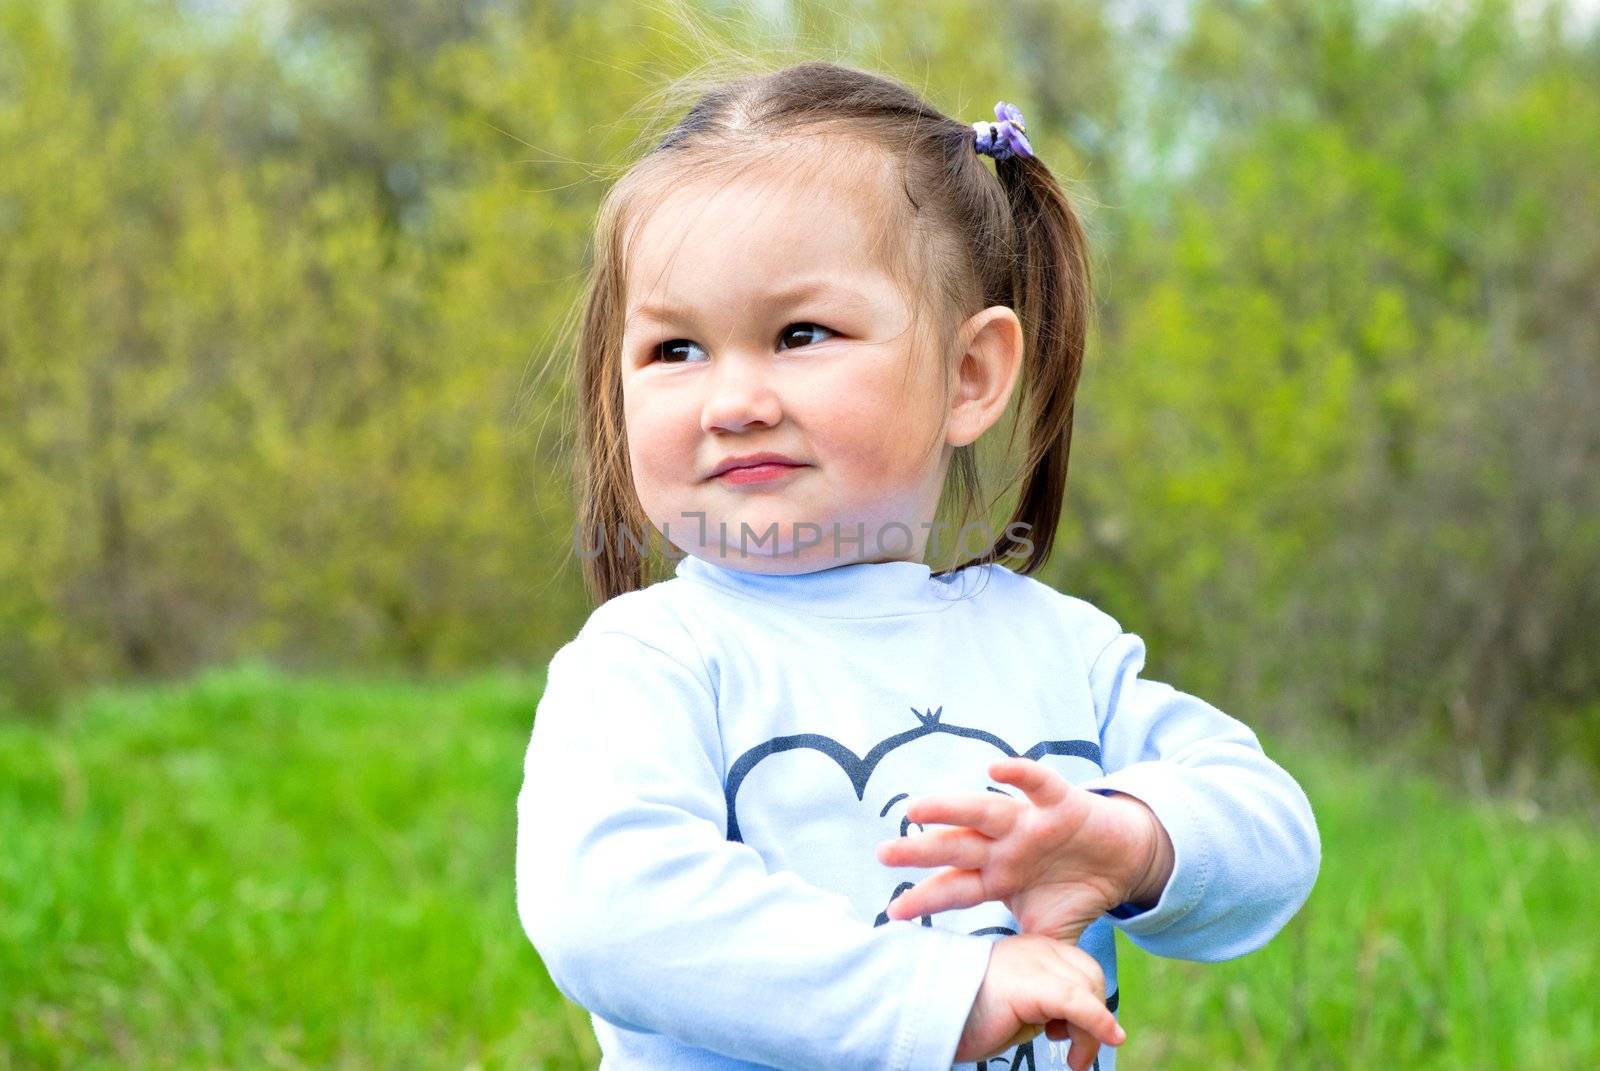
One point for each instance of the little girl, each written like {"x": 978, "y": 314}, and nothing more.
{"x": 809, "y": 803}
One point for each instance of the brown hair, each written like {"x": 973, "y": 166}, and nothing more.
{"x": 1008, "y": 238}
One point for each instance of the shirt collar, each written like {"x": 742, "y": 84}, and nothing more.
{"x": 859, "y": 589}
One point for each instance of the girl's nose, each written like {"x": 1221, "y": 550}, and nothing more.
{"x": 739, "y": 396}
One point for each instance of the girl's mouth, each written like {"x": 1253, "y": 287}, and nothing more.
{"x": 766, "y": 472}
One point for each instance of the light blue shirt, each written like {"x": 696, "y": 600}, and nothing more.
{"x": 715, "y": 758}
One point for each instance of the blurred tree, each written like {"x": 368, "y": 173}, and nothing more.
{"x": 1348, "y": 396}
{"x": 285, "y": 291}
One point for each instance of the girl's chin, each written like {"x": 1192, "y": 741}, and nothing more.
{"x": 760, "y": 537}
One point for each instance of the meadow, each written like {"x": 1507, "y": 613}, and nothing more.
{"x": 253, "y": 869}
{"x": 286, "y": 379}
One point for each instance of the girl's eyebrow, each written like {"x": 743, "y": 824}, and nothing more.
{"x": 789, "y": 295}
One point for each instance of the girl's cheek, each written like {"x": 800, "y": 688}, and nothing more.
{"x": 654, "y": 423}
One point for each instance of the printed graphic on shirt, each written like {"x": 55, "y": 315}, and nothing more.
{"x": 859, "y": 769}
{"x": 808, "y": 803}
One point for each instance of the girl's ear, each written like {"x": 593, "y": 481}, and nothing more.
{"x": 986, "y": 373}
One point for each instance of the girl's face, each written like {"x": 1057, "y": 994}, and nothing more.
{"x": 758, "y": 320}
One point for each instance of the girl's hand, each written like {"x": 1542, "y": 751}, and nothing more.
{"x": 1033, "y": 981}
{"x": 1058, "y": 860}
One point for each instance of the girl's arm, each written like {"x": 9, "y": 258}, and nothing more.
{"x": 645, "y": 914}
{"x": 1245, "y": 843}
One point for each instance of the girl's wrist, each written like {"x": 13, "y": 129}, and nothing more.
{"x": 1154, "y": 856}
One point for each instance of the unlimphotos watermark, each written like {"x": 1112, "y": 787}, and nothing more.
{"x": 891, "y": 538}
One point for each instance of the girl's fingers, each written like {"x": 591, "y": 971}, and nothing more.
{"x": 964, "y": 848}
{"x": 1087, "y": 967}
{"x": 1084, "y": 1048}
{"x": 1045, "y": 788}
{"x": 945, "y": 891}
{"x": 988, "y": 813}
{"x": 1085, "y": 1012}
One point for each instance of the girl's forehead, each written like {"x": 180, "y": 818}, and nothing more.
{"x": 816, "y": 223}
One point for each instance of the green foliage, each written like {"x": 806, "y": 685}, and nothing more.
{"x": 259, "y": 870}
{"x": 278, "y": 297}
{"x": 1339, "y": 452}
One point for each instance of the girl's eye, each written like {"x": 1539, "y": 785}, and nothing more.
{"x": 673, "y": 351}
{"x": 666, "y": 350}
{"x": 805, "y": 327}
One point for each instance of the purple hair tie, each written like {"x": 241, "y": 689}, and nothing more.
{"x": 1005, "y": 138}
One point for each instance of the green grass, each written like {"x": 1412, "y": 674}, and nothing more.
{"x": 1442, "y": 933}
{"x": 254, "y": 871}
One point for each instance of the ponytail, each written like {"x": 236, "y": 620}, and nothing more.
{"x": 1050, "y": 292}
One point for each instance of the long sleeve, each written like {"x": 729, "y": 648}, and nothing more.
{"x": 1245, "y": 843}
{"x": 645, "y": 914}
